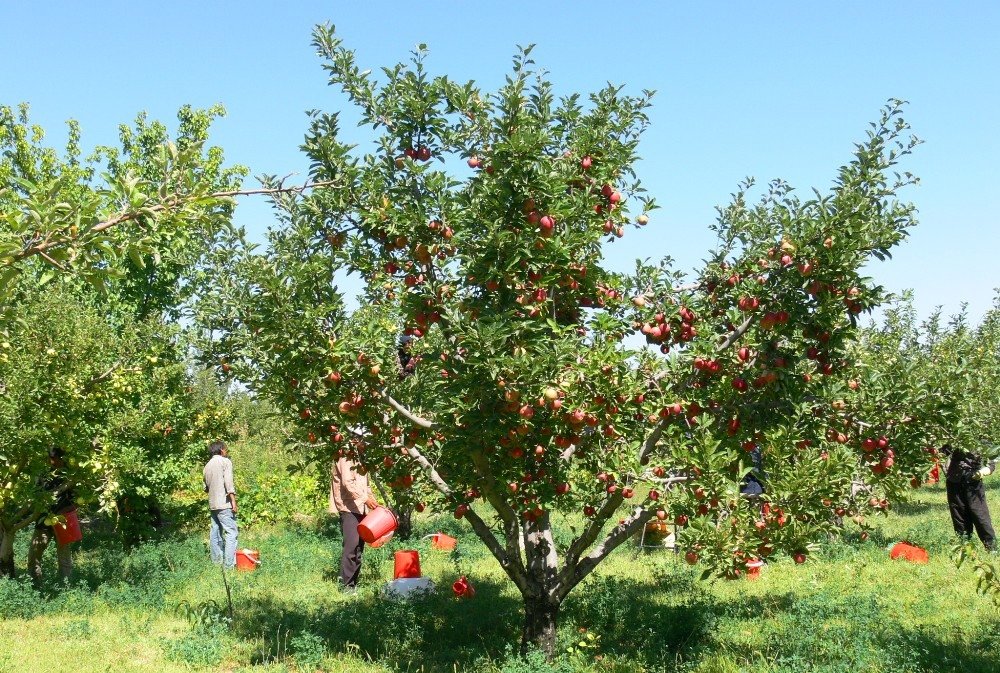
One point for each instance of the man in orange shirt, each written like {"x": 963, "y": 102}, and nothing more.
{"x": 352, "y": 498}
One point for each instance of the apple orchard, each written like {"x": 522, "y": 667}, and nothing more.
{"x": 477, "y": 222}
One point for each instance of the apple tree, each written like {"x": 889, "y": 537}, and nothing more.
{"x": 60, "y": 370}
{"x": 945, "y": 374}
{"x": 540, "y": 380}
{"x": 949, "y": 373}
{"x": 130, "y": 427}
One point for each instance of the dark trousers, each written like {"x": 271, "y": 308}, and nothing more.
{"x": 967, "y": 504}
{"x": 354, "y": 546}
{"x": 39, "y": 542}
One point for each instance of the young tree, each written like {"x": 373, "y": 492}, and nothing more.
{"x": 481, "y": 219}
{"x": 109, "y": 383}
{"x": 943, "y": 372}
{"x": 59, "y": 373}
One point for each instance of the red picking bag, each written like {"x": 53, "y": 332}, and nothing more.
{"x": 908, "y": 552}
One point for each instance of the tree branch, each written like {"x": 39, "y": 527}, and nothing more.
{"x": 503, "y": 509}
{"x": 615, "y": 537}
{"x": 509, "y": 559}
{"x": 511, "y": 564}
{"x": 431, "y": 471}
{"x": 687, "y": 288}
{"x": 651, "y": 440}
{"x": 41, "y": 248}
{"x": 736, "y": 334}
{"x": 590, "y": 534}
{"x": 409, "y": 415}
{"x": 51, "y": 261}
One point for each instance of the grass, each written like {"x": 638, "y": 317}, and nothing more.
{"x": 161, "y": 607}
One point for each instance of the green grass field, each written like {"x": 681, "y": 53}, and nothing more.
{"x": 153, "y": 609}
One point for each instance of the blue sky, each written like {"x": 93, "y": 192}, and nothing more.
{"x": 777, "y": 89}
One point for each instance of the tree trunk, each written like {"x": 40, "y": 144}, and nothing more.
{"x": 6, "y": 553}
{"x": 404, "y": 522}
{"x": 540, "y": 617}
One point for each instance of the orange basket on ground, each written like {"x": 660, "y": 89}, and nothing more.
{"x": 247, "y": 559}
{"x": 443, "y": 542}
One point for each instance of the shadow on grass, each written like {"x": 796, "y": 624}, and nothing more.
{"x": 437, "y": 632}
{"x": 441, "y": 633}
{"x": 932, "y": 651}
{"x": 915, "y": 507}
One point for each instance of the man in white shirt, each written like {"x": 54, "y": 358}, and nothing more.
{"x": 222, "y": 505}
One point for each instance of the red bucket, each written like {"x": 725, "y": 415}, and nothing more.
{"x": 247, "y": 559}
{"x": 442, "y": 541}
{"x": 379, "y": 522}
{"x": 70, "y": 531}
{"x": 463, "y": 588}
{"x": 407, "y": 564}
{"x": 753, "y": 569}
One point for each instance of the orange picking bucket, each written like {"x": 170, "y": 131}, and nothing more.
{"x": 382, "y": 540}
{"x": 247, "y": 559}
{"x": 379, "y": 522}
{"x": 442, "y": 541}
{"x": 407, "y": 564}
{"x": 753, "y": 569}
{"x": 463, "y": 588}
{"x": 70, "y": 531}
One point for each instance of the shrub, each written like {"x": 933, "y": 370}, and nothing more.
{"x": 270, "y": 497}
{"x": 309, "y": 650}
{"x": 196, "y": 649}
{"x": 533, "y": 661}
{"x": 77, "y": 629}
{"x": 19, "y": 600}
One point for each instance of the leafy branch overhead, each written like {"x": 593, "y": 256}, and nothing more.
{"x": 154, "y": 202}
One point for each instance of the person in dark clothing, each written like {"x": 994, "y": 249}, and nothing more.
{"x": 753, "y": 486}
{"x": 407, "y": 361}
{"x": 967, "y": 495}
{"x": 44, "y": 533}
